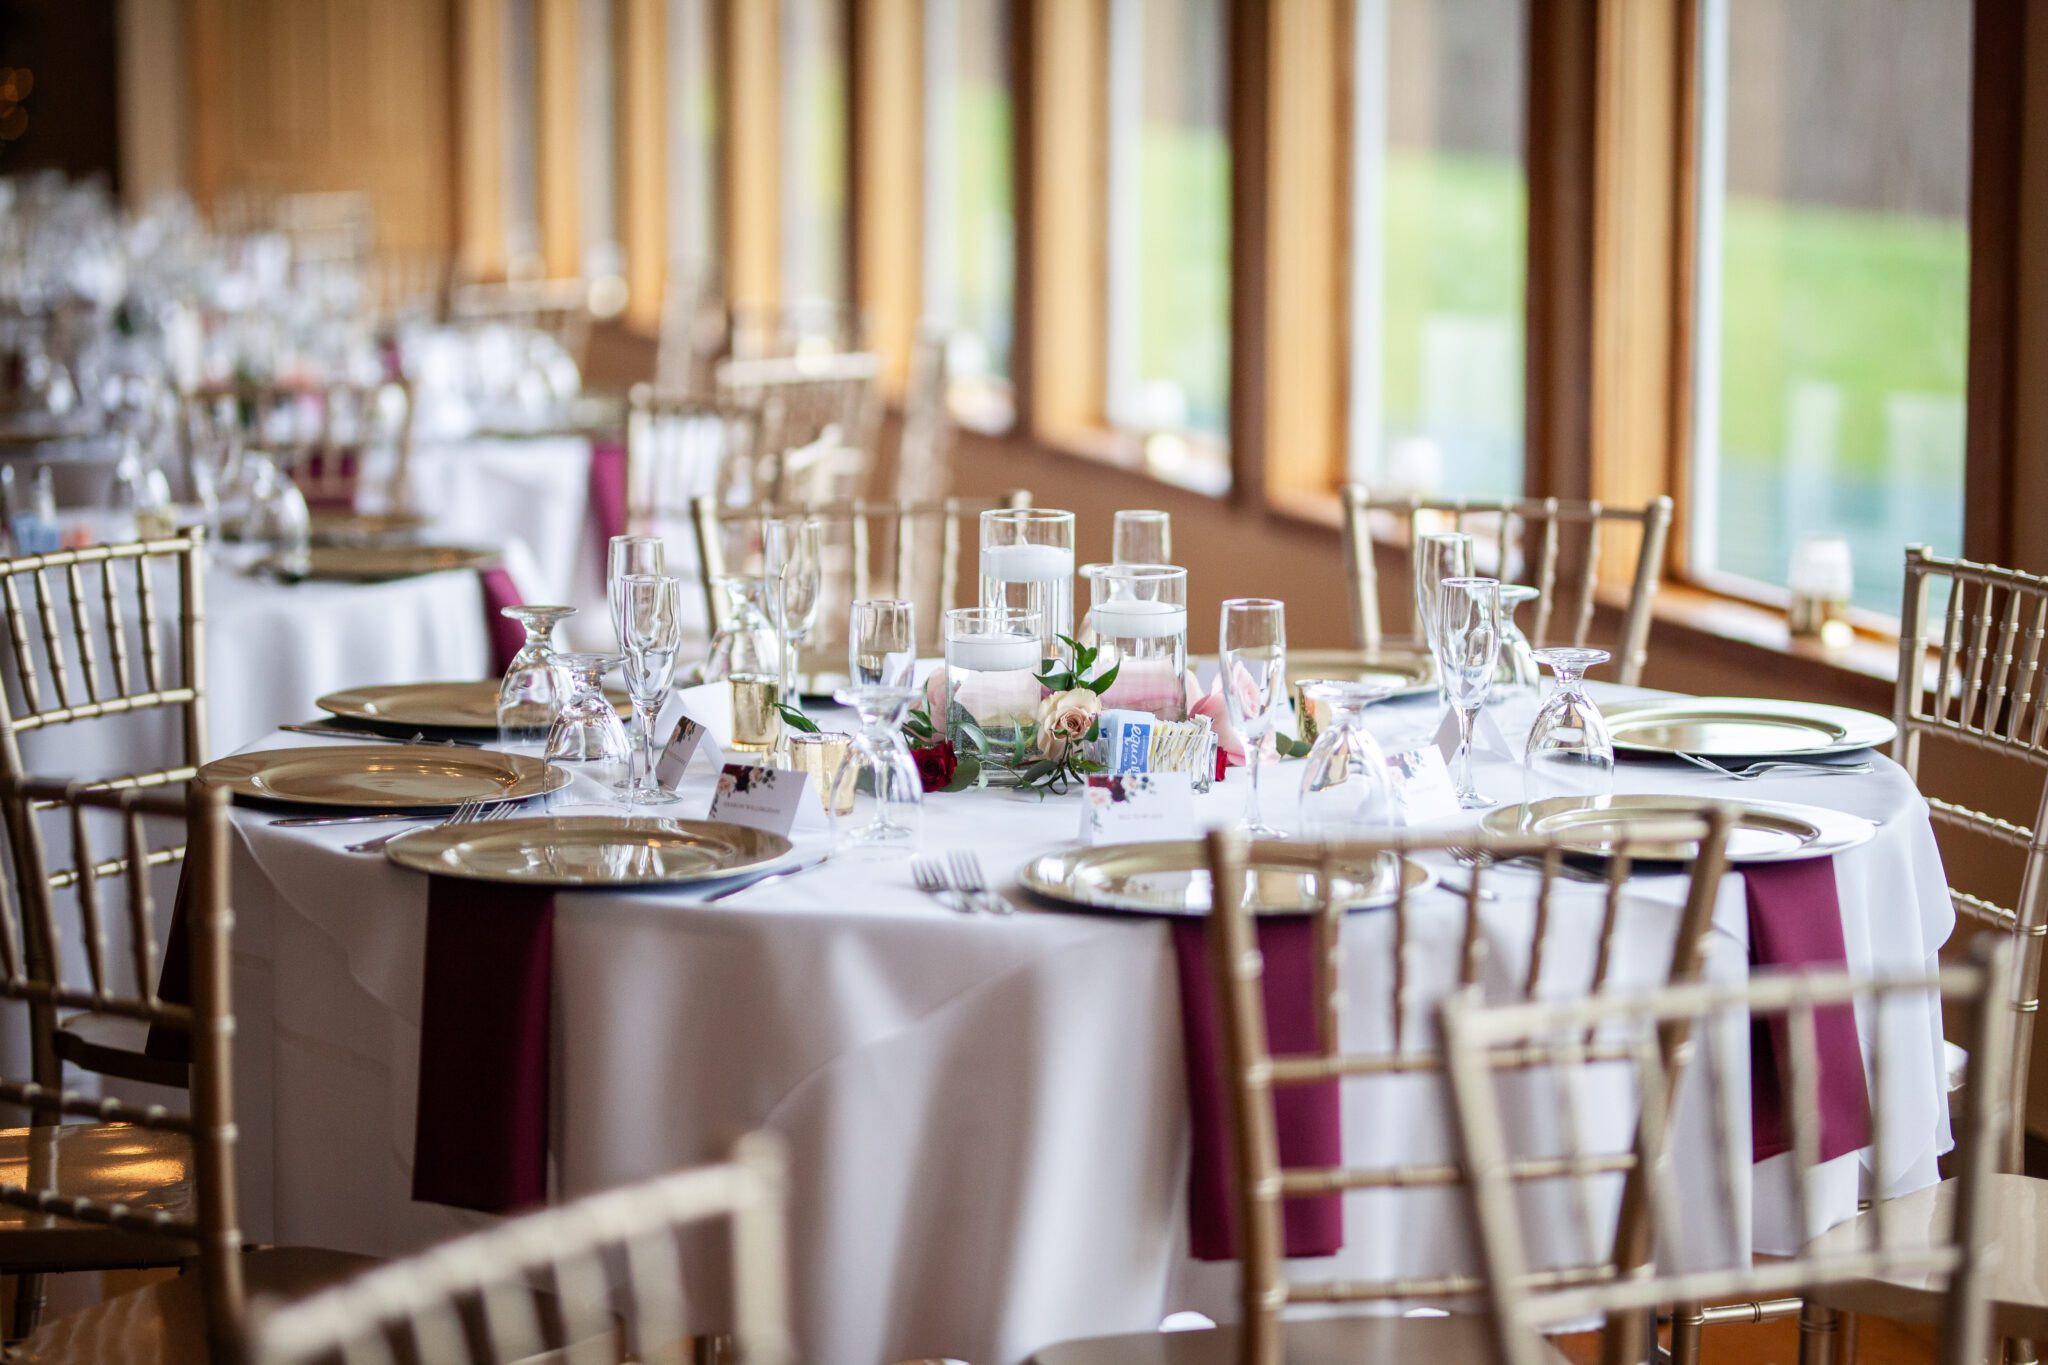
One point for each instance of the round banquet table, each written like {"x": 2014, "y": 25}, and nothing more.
{"x": 986, "y": 1115}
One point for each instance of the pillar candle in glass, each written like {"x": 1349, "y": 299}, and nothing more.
{"x": 992, "y": 659}
{"x": 1139, "y": 615}
{"x": 1027, "y": 564}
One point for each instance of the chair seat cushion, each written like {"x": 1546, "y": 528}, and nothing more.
{"x": 1318, "y": 1341}
{"x": 146, "y": 1169}
{"x": 2016, "y": 1228}
{"x": 165, "y": 1323}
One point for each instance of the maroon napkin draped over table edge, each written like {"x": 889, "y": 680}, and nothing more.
{"x": 607, "y": 494}
{"x": 481, "y": 1135}
{"x": 506, "y": 634}
{"x": 1795, "y": 920}
{"x": 1306, "y": 1117}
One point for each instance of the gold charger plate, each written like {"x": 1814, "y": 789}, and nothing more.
{"x": 1173, "y": 879}
{"x": 1763, "y": 831}
{"x": 383, "y": 777}
{"x": 430, "y": 705}
{"x": 1403, "y": 670}
{"x": 381, "y": 563}
{"x": 1742, "y": 727}
{"x": 330, "y": 527}
{"x": 588, "y": 850}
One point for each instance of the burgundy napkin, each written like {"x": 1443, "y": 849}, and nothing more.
{"x": 173, "y": 983}
{"x": 1795, "y": 921}
{"x": 1306, "y": 1117}
{"x": 507, "y": 635}
{"x": 607, "y": 494}
{"x": 482, "y": 1135}
{"x": 328, "y": 478}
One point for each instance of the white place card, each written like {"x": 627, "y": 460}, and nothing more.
{"x": 684, "y": 741}
{"x": 1422, "y": 785}
{"x": 762, "y": 798}
{"x": 1487, "y": 739}
{"x": 1120, "y": 808}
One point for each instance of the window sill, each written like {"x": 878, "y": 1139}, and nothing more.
{"x": 1132, "y": 454}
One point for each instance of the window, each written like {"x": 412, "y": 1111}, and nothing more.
{"x": 1169, "y": 233}
{"x": 814, "y": 153}
{"x": 692, "y": 146}
{"x": 1438, "y": 245}
{"x": 1833, "y": 303}
{"x": 970, "y": 222}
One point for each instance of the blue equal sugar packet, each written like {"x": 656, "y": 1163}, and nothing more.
{"x": 1130, "y": 741}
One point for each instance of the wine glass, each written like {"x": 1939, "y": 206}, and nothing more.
{"x": 747, "y": 654}
{"x": 587, "y": 737}
{"x": 1467, "y": 651}
{"x": 881, "y": 643}
{"x": 624, "y": 556}
{"x": 280, "y": 521}
{"x": 1345, "y": 788}
{"x": 1253, "y": 656}
{"x": 1570, "y": 750}
{"x": 1438, "y": 555}
{"x": 1518, "y": 677}
{"x": 795, "y": 556}
{"x": 1141, "y": 537}
{"x": 651, "y": 616}
{"x": 887, "y": 793}
{"x": 532, "y": 689}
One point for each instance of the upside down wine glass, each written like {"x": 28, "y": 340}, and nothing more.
{"x": 887, "y": 795}
{"x": 586, "y": 737}
{"x": 533, "y": 688}
{"x": 1345, "y": 789}
{"x": 1467, "y": 652}
{"x": 1253, "y": 656}
{"x": 1570, "y": 750}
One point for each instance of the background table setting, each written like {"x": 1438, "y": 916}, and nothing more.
{"x": 557, "y": 960}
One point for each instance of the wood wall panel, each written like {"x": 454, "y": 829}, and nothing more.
{"x": 295, "y": 95}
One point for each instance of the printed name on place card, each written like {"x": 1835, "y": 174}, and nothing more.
{"x": 1422, "y": 785}
{"x": 1119, "y": 808}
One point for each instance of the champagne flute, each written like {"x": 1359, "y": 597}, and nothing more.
{"x": 881, "y": 643}
{"x": 630, "y": 555}
{"x": 794, "y": 549}
{"x": 651, "y": 616}
{"x": 1438, "y": 555}
{"x": 1253, "y": 655}
{"x": 1467, "y": 652}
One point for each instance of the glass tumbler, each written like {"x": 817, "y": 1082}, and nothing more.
{"x": 1138, "y": 615}
{"x": 1027, "y": 564}
{"x": 881, "y": 642}
{"x": 533, "y": 689}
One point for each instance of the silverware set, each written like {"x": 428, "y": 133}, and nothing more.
{"x": 468, "y": 813}
{"x": 959, "y": 884}
{"x": 1775, "y": 765}
{"x": 341, "y": 732}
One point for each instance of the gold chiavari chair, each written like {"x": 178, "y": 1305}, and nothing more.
{"x": 403, "y": 286}
{"x": 1549, "y": 543}
{"x": 908, "y": 550}
{"x": 679, "y": 448}
{"x": 134, "y": 1185}
{"x": 475, "y": 1300}
{"x": 1572, "y": 952}
{"x": 559, "y": 308}
{"x": 924, "y": 451}
{"x": 829, "y": 402}
{"x": 319, "y": 433}
{"x": 1688, "y": 1032}
{"x": 798, "y": 329}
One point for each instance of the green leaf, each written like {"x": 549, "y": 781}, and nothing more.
{"x": 1292, "y": 748}
{"x": 1057, "y": 682}
{"x": 967, "y": 774}
{"x": 919, "y": 723}
{"x": 1108, "y": 680}
{"x": 795, "y": 719}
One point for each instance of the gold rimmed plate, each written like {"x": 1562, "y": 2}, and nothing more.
{"x": 1173, "y": 879}
{"x": 1742, "y": 727}
{"x": 588, "y": 850}
{"x": 1404, "y": 671}
{"x": 429, "y": 705}
{"x": 331, "y": 527}
{"x": 1762, "y": 831}
{"x": 383, "y": 777}
{"x": 381, "y": 563}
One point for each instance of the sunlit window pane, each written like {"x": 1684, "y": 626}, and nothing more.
{"x": 970, "y": 219}
{"x": 692, "y": 142}
{"x": 1169, "y": 206}
{"x": 1439, "y": 227}
{"x": 814, "y": 152}
{"x": 1833, "y": 287}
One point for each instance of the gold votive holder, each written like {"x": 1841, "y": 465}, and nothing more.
{"x": 1311, "y": 713}
{"x": 822, "y": 755}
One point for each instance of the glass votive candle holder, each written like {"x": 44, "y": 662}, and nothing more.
{"x": 1027, "y": 564}
{"x": 1822, "y": 580}
{"x": 1138, "y": 614}
{"x": 821, "y": 754}
{"x": 992, "y": 661}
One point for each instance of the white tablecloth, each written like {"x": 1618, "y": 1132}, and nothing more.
{"x": 986, "y": 1115}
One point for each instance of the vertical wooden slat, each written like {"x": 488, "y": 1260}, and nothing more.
{"x": 141, "y": 907}
{"x": 643, "y": 125}
{"x": 559, "y": 126}
{"x": 192, "y": 644}
{"x": 1068, "y": 121}
{"x": 1589, "y": 576}
{"x": 24, "y": 655}
{"x": 117, "y": 629}
{"x": 888, "y": 200}
{"x": 87, "y": 890}
{"x": 152, "y": 647}
{"x": 481, "y": 124}
{"x": 81, "y": 630}
{"x": 751, "y": 79}
{"x": 46, "y": 614}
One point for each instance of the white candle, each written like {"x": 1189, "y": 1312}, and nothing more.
{"x": 1139, "y": 619}
{"x": 1026, "y": 563}
{"x": 993, "y": 653}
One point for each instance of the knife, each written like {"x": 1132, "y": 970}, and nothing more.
{"x": 752, "y": 882}
{"x": 304, "y": 821}
{"x": 337, "y": 732}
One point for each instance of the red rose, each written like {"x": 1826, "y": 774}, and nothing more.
{"x": 935, "y": 764}
{"x": 1222, "y": 761}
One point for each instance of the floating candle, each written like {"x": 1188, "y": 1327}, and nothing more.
{"x": 1139, "y": 619}
{"x": 993, "y": 653}
{"x": 1025, "y": 563}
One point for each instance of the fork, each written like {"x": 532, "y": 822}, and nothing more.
{"x": 969, "y": 881}
{"x": 1756, "y": 770}
{"x": 1467, "y": 856}
{"x": 931, "y": 879}
{"x": 468, "y": 813}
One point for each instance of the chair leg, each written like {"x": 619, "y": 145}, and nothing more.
{"x": 29, "y": 1295}
{"x": 1816, "y": 1334}
{"x": 1686, "y": 1321}
{"x": 1845, "y": 1340}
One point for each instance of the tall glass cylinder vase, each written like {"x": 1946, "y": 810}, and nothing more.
{"x": 992, "y": 687}
{"x": 1139, "y": 617}
{"x": 1027, "y": 564}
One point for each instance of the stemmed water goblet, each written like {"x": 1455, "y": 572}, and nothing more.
{"x": 887, "y": 796}
{"x": 1570, "y": 750}
{"x": 1467, "y": 652}
{"x": 533, "y": 688}
{"x": 651, "y": 627}
{"x": 881, "y": 643}
{"x": 1345, "y": 789}
{"x": 1253, "y": 658}
{"x": 587, "y": 737}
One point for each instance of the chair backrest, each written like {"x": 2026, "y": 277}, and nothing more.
{"x": 799, "y": 329}
{"x": 1570, "y": 952}
{"x": 122, "y": 981}
{"x": 319, "y": 433}
{"x": 407, "y": 286}
{"x": 1989, "y": 692}
{"x": 696, "y": 332}
{"x": 1551, "y": 544}
{"x": 562, "y": 1279}
{"x": 1700, "y": 1033}
{"x": 679, "y": 448}
{"x": 924, "y": 451}
{"x": 805, "y": 399}
{"x": 62, "y": 607}
{"x": 560, "y": 308}
{"x": 914, "y": 551}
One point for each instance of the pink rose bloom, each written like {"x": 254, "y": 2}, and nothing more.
{"x": 1228, "y": 742}
{"x": 935, "y": 694}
